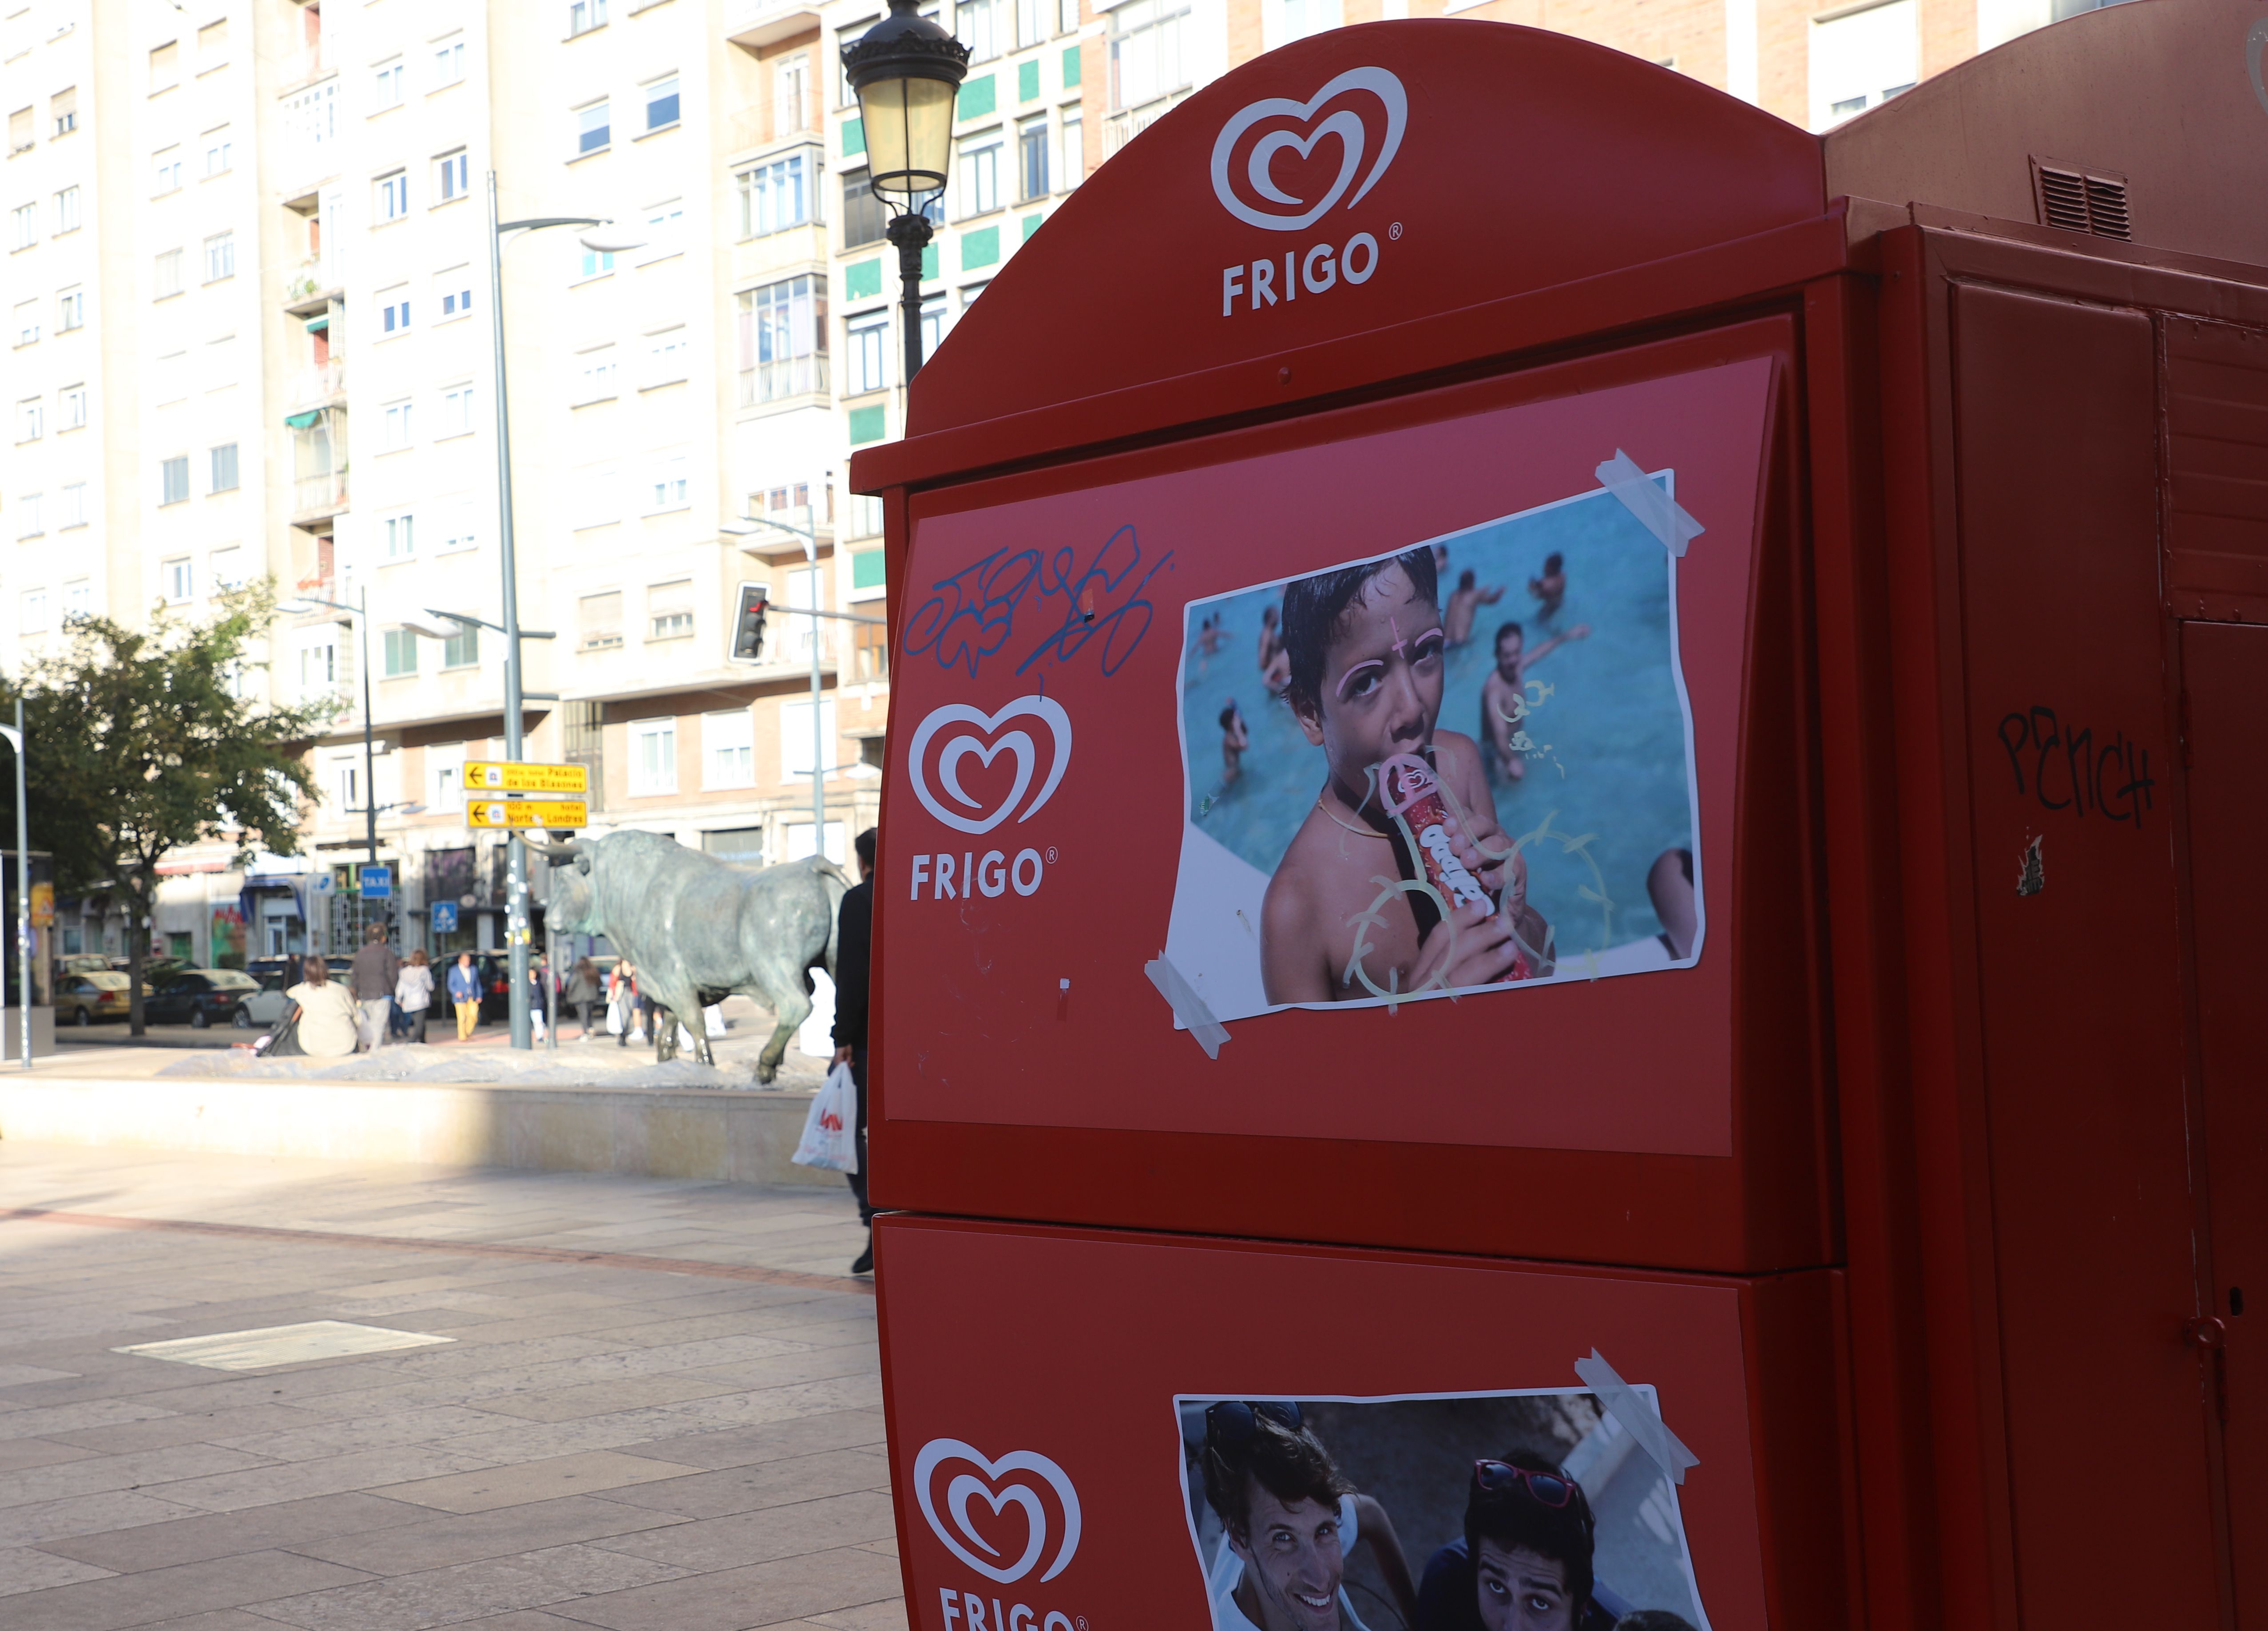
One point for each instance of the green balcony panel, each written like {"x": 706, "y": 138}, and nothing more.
{"x": 862, "y": 280}
{"x": 866, "y": 566}
{"x": 978, "y": 97}
{"x": 866, "y": 425}
{"x": 1032, "y": 225}
{"x": 854, "y": 137}
{"x": 1071, "y": 67}
{"x": 981, "y": 248}
{"x": 1027, "y": 82}
{"x": 929, "y": 262}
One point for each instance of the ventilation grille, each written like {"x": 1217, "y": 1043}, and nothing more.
{"x": 2081, "y": 200}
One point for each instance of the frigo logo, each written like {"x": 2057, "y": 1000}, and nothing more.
{"x": 951, "y": 1479}
{"x": 1364, "y": 110}
{"x": 935, "y": 761}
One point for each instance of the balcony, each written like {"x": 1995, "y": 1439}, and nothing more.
{"x": 323, "y": 385}
{"x": 1122, "y": 128}
{"x": 309, "y": 287}
{"x": 303, "y": 68}
{"x": 754, "y": 23}
{"x": 317, "y": 498}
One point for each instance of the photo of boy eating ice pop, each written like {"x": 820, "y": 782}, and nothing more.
{"x": 1400, "y": 799}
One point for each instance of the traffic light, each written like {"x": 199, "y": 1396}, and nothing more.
{"x": 749, "y": 624}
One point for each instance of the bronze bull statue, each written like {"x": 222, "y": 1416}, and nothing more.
{"x": 697, "y": 928}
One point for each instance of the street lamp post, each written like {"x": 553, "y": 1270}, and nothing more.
{"x": 516, "y": 926}
{"x": 15, "y": 739}
{"x": 906, "y": 71}
{"x": 819, "y": 755}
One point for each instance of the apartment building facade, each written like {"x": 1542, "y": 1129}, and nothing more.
{"x": 252, "y": 332}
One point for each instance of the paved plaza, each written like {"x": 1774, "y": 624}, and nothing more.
{"x": 653, "y": 1406}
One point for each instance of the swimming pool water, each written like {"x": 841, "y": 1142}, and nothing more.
{"x": 1614, "y": 725}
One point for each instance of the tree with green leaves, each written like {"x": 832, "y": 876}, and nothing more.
{"x": 140, "y": 742}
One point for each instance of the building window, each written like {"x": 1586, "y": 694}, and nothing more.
{"x": 1032, "y": 158}
{"x": 178, "y": 579}
{"x": 19, "y": 132}
{"x": 226, "y": 568}
{"x": 451, "y": 180}
{"x": 27, "y": 322}
{"x": 1074, "y": 149}
{"x": 449, "y": 62}
{"x": 596, "y": 375}
{"x": 166, "y": 171}
{"x": 71, "y": 408}
{"x": 462, "y": 649}
{"x": 669, "y": 611}
{"x": 670, "y": 487}
{"x": 977, "y": 23}
{"x": 870, "y": 653}
{"x": 397, "y": 425}
{"x": 71, "y": 310}
{"x": 220, "y": 152}
{"x": 598, "y": 623}
{"x": 31, "y": 613}
{"x": 592, "y": 130}
{"x": 172, "y": 377}
{"x": 30, "y": 418}
{"x": 346, "y": 777}
{"x": 400, "y": 537}
{"x": 869, "y": 361}
{"x": 79, "y": 599}
{"x": 597, "y": 262}
{"x": 452, "y": 293}
{"x": 67, "y": 210}
{"x": 456, "y": 412}
{"x": 393, "y": 309}
{"x": 386, "y": 86}
{"x": 223, "y": 460}
{"x": 783, "y": 339}
{"x": 447, "y": 768}
{"x": 728, "y": 749}
{"x": 28, "y": 522}
{"x": 653, "y": 757}
{"x": 1862, "y": 58}
{"x": 457, "y": 529}
{"x": 776, "y": 196}
{"x": 865, "y": 516}
{"x": 166, "y": 279}
{"x": 220, "y": 257}
{"x": 791, "y": 95}
{"x": 584, "y": 15}
{"x": 865, "y": 219}
{"x": 174, "y": 479}
{"x": 71, "y": 510}
{"x": 980, "y": 175}
{"x": 394, "y": 196}
{"x": 319, "y": 664}
{"x": 666, "y": 357}
{"x": 1146, "y": 59}
{"x": 1031, "y": 21}
{"x": 401, "y": 653}
{"x": 795, "y": 735}
{"x": 665, "y": 231}
{"x": 935, "y": 322}
{"x": 23, "y": 226}
{"x": 661, "y": 104}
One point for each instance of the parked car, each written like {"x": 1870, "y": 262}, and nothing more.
{"x": 264, "y": 1007}
{"x": 200, "y": 997}
{"x": 82, "y": 999}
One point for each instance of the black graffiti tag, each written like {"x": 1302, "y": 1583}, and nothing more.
{"x": 2070, "y": 770}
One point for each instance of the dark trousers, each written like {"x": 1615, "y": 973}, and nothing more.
{"x": 858, "y": 1179}
{"x": 414, "y": 1020}
{"x": 584, "y": 1008}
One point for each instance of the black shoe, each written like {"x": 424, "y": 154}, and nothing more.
{"x": 863, "y": 1263}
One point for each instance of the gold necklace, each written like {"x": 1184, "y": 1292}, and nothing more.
{"x": 1360, "y": 832}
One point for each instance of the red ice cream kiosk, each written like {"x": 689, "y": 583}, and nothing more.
{"x": 1565, "y": 845}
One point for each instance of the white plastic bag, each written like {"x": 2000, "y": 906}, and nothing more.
{"x": 830, "y": 1131}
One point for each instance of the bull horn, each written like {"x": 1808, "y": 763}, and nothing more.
{"x": 570, "y": 851}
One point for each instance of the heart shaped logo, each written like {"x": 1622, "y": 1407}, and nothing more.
{"x": 986, "y": 743}
{"x": 1245, "y": 152}
{"x": 993, "y": 1483}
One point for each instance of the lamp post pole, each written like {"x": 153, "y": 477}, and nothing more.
{"x": 15, "y": 739}
{"x": 911, "y": 234}
{"x": 516, "y": 913}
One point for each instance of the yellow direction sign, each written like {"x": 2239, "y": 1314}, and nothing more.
{"x": 505, "y": 776}
{"x": 557, "y": 812}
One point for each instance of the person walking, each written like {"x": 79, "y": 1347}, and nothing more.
{"x": 624, "y": 1000}
{"x": 583, "y": 991}
{"x": 465, "y": 992}
{"x": 331, "y": 1022}
{"x": 538, "y": 1006}
{"x": 854, "y": 940}
{"x": 371, "y": 976}
{"x": 413, "y": 993}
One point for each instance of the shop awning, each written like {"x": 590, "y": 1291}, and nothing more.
{"x": 300, "y": 421}
{"x": 316, "y": 325}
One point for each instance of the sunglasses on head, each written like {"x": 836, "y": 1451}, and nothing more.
{"x": 1234, "y": 1422}
{"x": 1501, "y": 1478}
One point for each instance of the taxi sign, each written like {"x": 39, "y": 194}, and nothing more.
{"x": 559, "y": 813}
{"x": 506, "y": 777}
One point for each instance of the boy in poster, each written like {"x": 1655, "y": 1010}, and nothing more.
{"x": 1363, "y": 647}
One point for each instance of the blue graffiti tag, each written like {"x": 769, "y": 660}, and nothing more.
{"x": 972, "y": 613}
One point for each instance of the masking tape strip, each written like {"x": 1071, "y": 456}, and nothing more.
{"x": 1656, "y": 510}
{"x": 1188, "y": 1006}
{"x": 1637, "y": 1416}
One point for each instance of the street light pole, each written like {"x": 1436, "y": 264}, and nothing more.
{"x": 15, "y": 739}
{"x": 516, "y": 910}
